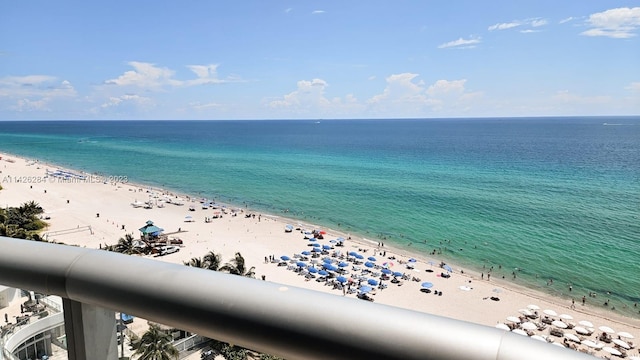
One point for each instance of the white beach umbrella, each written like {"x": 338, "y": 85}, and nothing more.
{"x": 550, "y": 312}
{"x": 533, "y": 307}
{"x": 582, "y": 331}
{"x": 529, "y": 326}
{"x": 586, "y": 323}
{"x": 519, "y": 332}
{"x": 502, "y": 326}
{"x": 566, "y": 316}
{"x": 589, "y": 343}
{"x": 514, "y": 319}
{"x": 572, "y": 337}
{"x": 560, "y": 324}
{"x": 625, "y": 334}
{"x": 607, "y": 329}
{"x": 612, "y": 351}
{"x": 621, "y": 343}
{"x": 539, "y": 338}
{"x": 525, "y": 312}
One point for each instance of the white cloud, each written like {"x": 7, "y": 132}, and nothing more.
{"x": 34, "y": 92}
{"x": 529, "y": 31}
{"x": 566, "y": 20}
{"x": 460, "y": 43}
{"x": 316, "y": 12}
{"x": 619, "y": 23}
{"x": 634, "y": 87}
{"x": 445, "y": 86}
{"x": 539, "y": 22}
{"x": 288, "y": 10}
{"x": 504, "y": 26}
{"x": 308, "y": 95}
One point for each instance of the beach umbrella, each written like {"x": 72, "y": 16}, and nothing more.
{"x": 327, "y": 260}
{"x": 621, "y": 343}
{"x": 333, "y": 241}
{"x": 365, "y": 289}
{"x": 572, "y": 337}
{"x": 359, "y": 256}
{"x": 533, "y": 307}
{"x": 326, "y": 247}
{"x": 412, "y": 260}
{"x": 371, "y": 258}
{"x": 323, "y": 273}
{"x": 589, "y": 343}
{"x": 397, "y": 273}
{"x": 513, "y": 319}
{"x": 502, "y": 326}
{"x": 427, "y": 285}
{"x": 612, "y": 351}
{"x": 560, "y": 324}
{"x": 625, "y": 334}
{"x": 306, "y": 253}
{"x": 465, "y": 288}
{"x": 369, "y": 264}
{"x": 388, "y": 264}
{"x": 312, "y": 270}
{"x": 315, "y": 249}
{"x": 586, "y": 323}
{"x": 550, "y": 312}
{"x": 373, "y": 282}
{"x": 529, "y": 326}
{"x": 386, "y": 271}
{"x": 519, "y": 332}
{"x": 341, "y": 279}
{"x": 582, "y": 331}
{"x": 525, "y": 312}
{"x": 301, "y": 264}
{"x": 316, "y": 245}
{"x": 566, "y": 316}
{"x": 285, "y": 258}
{"x": 606, "y": 329}
{"x": 448, "y": 268}
{"x": 352, "y": 253}
{"x": 343, "y": 264}
{"x": 331, "y": 267}
{"x": 539, "y": 338}
{"x": 312, "y": 239}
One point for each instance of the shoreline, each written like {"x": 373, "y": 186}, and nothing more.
{"x": 257, "y": 237}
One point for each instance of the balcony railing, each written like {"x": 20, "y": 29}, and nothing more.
{"x": 272, "y": 318}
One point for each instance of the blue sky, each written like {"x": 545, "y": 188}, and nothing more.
{"x": 317, "y": 59}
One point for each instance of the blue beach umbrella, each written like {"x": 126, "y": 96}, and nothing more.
{"x": 323, "y": 273}
{"x": 333, "y": 241}
{"x": 365, "y": 289}
{"x": 315, "y": 249}
{"x": 342, "y": 279}
{"x": 448, "y": 268}
{"x": 373, "y": 282}
{"x": 353, "y": 253}
{"x": 371, "y": 258}
{"x": 427, "y": 285}
{"x": 331, "y": 267}
{"x": 301, "y": 264}
{"x": 386, "y": 271}
{"x": 340, "y": 239}
{"x": 326, "y": 247}
{"x": 327, "y": 260}
{"x": 306, "y": 253}
{"x": 285, "y": 258}
{"x": 316, "y": 245}
{"x": 397, "y": 273}
{"x": 369, "y": 264}
{"x": 312, "y": 270}
{"x": 412, "y": 260}
{"x": 343, "y": 264}
{"x": 359, "y": 256}
{"x": 312, "y": 239}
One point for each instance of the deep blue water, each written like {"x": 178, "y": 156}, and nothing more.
{"x": 553, "y": 197}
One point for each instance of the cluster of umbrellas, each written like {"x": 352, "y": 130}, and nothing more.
{"x": 584, "y": 328}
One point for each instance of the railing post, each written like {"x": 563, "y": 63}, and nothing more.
{"x": 91, "y": 331}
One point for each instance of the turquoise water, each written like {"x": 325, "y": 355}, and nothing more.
{"x": 556, "y": 198}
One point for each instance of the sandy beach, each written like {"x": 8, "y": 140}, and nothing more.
{"x": 98, "y": 211}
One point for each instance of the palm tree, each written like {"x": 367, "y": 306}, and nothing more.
{"x": 237, "y": 266}
{"x": 155, "y": 345}
{"x": 127, "y": 246}
{"x": 213, "y": 261}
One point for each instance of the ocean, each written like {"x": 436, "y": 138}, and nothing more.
{"x": 541, "y": 198}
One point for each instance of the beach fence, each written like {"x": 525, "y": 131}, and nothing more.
{"x": 271, "y": 318}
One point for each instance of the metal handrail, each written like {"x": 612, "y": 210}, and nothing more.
{"x": 272, "y": 318}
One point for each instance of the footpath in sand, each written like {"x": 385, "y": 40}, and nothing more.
{"x": 96, "y": 211}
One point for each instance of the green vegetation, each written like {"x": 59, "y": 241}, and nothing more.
{"x": 154, "y": 344}
{"x": 22, "y": 222}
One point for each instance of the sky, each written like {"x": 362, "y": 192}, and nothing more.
{"x": 256, "y": 59}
